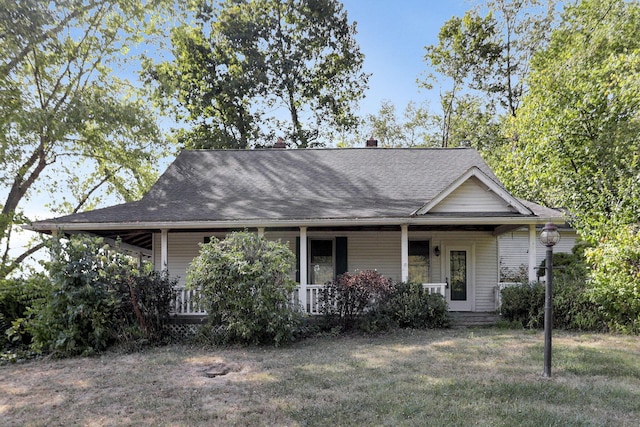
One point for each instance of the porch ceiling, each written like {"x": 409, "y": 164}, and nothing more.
{"x": 144, "y": 238}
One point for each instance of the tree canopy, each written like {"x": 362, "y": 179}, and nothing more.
{"x": 480, "y": 63}
{"x": 576, "y": 140}
{"x": 576, "y": 144}
{"x": 246, "y": 72}
{"x": 70, "y": 131}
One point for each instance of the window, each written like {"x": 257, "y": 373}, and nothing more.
{"x": 419, "y": 261}
{"x": 321, "y": 262}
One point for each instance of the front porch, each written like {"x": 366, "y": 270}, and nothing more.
{"x": 307, "y": 297}
{"x": 467, "y": 258}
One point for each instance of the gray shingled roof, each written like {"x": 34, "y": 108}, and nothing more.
{"x": 220, "y": 185}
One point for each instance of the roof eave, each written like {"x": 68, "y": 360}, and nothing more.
{"x": 44, "y": 226}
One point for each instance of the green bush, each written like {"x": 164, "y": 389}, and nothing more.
{"x": 145, "y": 306}
{"x": 573, "y": 307}
{"x": 95, "y": 298}
{"x": 411, "y": 306}
{"x": 16, "y": 296}
{"x": 245, "y": 285}
{"x": 356, "y": 301}
{"x": 615, "y": 279}
{"x": 524, "y": 304}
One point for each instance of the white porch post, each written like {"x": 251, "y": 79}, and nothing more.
{"x": 260, "y": 231}
{"x": 404, "y": 251}
{"x": 532, "y": 252}
{"x": 303, "y": 268}
{"x": 164, "y": 249}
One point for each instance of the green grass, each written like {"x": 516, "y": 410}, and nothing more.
{"x": 486, "y": 377}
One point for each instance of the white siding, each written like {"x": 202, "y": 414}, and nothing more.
{"x": 472, "y": 196}
{"x": 368, "y": 251}
{"x": 183, "y": 248}
{"x": 514, "y": 248}
{"x": 375, "y": 251}
{"x": 486, "y": 255}
{"x": 484, "y": 264}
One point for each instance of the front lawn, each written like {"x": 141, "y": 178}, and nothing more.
{"x": 487, "y": 377}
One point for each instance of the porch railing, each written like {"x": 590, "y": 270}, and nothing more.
{"x": 186, "y": 303}
{"x": 435, "y": 288}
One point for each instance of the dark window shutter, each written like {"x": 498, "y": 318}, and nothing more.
{"x": 298, "y": 259}
{"x": 341, "y": 256}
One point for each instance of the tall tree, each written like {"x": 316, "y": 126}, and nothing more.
{"x": 484, "y": 59}
{"x": 577, "y": 134}
{"x": 465, "y": 54}
{"x": 410, "y": 130}
{"x": 67, "y": 125}
{"x": 253, "y": 69}
{"x": 575, "y": 142}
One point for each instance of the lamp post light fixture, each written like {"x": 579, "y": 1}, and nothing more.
{"x": 548, "y": 237}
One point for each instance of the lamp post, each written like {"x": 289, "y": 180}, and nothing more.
{"x": 548, "y": 237}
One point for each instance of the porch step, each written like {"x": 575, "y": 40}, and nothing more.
{"x": 460, "y": 319}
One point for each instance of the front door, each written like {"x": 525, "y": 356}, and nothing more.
{"x": 459, "y": 278}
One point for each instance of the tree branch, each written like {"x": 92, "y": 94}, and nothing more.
{"x": 7, "y": 68}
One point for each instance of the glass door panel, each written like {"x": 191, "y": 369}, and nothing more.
{"x": 458, "y": 275}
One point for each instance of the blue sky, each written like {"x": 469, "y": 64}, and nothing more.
{"x": 392, "y": 35}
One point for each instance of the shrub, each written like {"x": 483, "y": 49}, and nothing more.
{"x": 411, "y": 306}
{"x": 349, "y": 297}
{"x": 616, "y": 279}
{"x": 245, "y": 285}
{"x": 95, "y": 298}
{"x": 16, "y": 296}
{"x": 573, "y": 308}
{"x": 145, "y": 307}
{"x": 524, "y": 304}
{"x": 74, "y": 317}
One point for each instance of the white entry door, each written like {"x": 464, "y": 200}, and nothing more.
{"x": 460, "y": 278}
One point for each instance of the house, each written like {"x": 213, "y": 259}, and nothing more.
{"x": 429, "y": 215}
{"x": 513, "y": 251}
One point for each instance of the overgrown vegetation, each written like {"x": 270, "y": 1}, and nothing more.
{"x": 524, "y": 304}
{"x": 574, "y": 306}
{"x": 94, "y": 297}
{"x": 16, "y": 296}
{"x": 369, "y": 302}
{"x": 245, "y": 286}
{"x": 615, "y": 281}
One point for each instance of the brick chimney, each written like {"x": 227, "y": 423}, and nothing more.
{"x": 372, "y": 143}
{"x": 280, "y": 144}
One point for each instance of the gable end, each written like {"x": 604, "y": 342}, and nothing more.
{"x": 474, "y": 192}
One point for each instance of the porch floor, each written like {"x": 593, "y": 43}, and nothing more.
{"x": 464, "y": 319}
